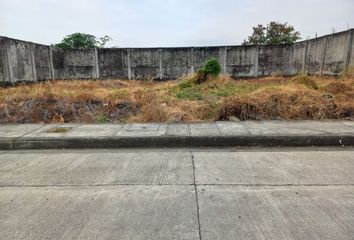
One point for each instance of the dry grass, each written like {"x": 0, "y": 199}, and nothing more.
{"x": 276, "y": 97}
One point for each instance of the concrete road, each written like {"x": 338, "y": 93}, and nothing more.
{"x": 244, "y": 193}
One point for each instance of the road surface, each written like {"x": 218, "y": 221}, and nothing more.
{"x": 239, "y": 193}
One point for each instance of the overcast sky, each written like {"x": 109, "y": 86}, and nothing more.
{"x": 147, "y": 23}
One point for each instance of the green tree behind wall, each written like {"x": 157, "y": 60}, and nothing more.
{"x": 274, "y": 33}
{"x": 82, "y": 41}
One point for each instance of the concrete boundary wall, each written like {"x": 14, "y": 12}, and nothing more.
{"x": 22, "y": 61}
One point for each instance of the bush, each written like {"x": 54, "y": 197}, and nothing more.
{"x": 202, "y": 76}
{"x": 212, "y": 67}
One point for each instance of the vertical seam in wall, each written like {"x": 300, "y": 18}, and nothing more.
{"x": 34, "y": 71}
{"x": 51, "y": 64}
{"x": 225, "y": 60}
{"x": 192, "y": 60}
{"x": 350, "y": 49}
{"x": 256, "y": 64}
{"x": 304, "y": 63}
{"x": 160, "y": 64}
{"x": 129, "y": 65}
{"x": 324, "y": 56}
{"x": 9, "y": 64}
{"x": 97, "y": 69}
{"x": 288, "y": 69}
{"x": 2, "y": 61}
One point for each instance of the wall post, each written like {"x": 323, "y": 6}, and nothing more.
{"x": 224, "y": 61}
{"x": 160, "y": 65}
{"x": 324, "y": 56}
{"x": 350, "y": 48}
{"x": 97, "y": 69}
{"x": 33, "y": 63}
{"x": 129, "y": 65}
{"x": 9, "y": 64}
{"x": 192, "y": 60}
{"x": 304, "y": 62}
{"x": 256, "y": 62}
{"x": 51, "y": 64}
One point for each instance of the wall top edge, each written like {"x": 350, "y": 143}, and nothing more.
{"x": 328, "y": 35}
{"x": 2, "y": 38}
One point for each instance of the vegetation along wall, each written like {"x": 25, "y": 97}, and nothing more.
{"x": 25, "y": 61}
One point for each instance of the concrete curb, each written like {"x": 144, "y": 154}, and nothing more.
{"x": 177, "y": 142}
{"x": 162, "y": 135}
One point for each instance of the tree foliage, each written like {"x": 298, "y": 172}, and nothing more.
{"x": 82, "y": 41}
{"x": 274, "y": 33}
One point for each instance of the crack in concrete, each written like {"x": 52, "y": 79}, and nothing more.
{"x": 181, "y": 184}
{"x": 277, "y": 185}
{"x": 196, "y": 196}
{"x": 29, "y": 132}
{"x": 93, "y": 185}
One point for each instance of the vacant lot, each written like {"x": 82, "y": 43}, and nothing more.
{"x": 222, "y": 98}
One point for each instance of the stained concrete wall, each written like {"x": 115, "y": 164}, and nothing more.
{"x": 315, "y": 55}
{"x": 42, "y": 62}
{"x": 20, "y": 59}
{"x": 144, "y": 63}
{"x": 297, "y": 58}
{"x": 3, "y": 63}
{"x": 26, "y": 61}
{"x": 336, "y": 55}
{"x": 176, "y": 62}
{"x": 75, "y": 64}
{"x": 113, "y": 63}
{"x": 350, "y": 59}
{"x": 242, "y": 61}
{"x": 273, "y": 59}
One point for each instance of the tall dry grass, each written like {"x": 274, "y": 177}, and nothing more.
{"x": 275, "y": 97}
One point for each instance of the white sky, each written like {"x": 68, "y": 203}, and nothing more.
{"x": 162, "y": 23}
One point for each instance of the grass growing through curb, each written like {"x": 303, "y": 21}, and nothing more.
{"x": 59, "y": 130}
{"x": 218, "y": 98}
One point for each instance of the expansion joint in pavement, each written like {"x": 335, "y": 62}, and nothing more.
{"x": 276, "y": 185}
{"x": 176, "y": 185}
{"x": 196, "y": 196}
{"x": 93, "y": 185}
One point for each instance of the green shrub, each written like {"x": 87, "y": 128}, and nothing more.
{"x": 212, "y": 67}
